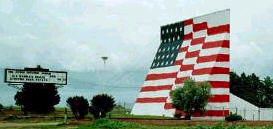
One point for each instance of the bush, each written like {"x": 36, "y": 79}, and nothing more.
{"x": 101, "y": 104}
{"x": 177, "y": 115}
{"x": 37, "y": 98}
{"x": 233, "y": 117}
{"x": 79, "y": 106}
{"x": 111, "y": 124}
{"x": 1, "y": 107}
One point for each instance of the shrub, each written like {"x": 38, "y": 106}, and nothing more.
{"x": 79, "y": 106}
{"x": 233, "y": 117}
{"x": 112, "y": 124}
{"x": 101, "y": 104}
{"x": 37, "y": 98}
{"x": 177, "y": 115}
{"x": 1, "y": 107}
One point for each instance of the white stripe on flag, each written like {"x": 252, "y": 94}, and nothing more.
{"x": 214, "y": 51}
{"x": 211, "y": 77}
{"x": 187, "y": 29}
{"x": 217, "y": 37}
{"x": 211, "y": 64}
{"x": 152, "y": 94}
{"x": 199, "y": 34}
{"x": 168, "y": 81}
{"x": 169, "y": 69}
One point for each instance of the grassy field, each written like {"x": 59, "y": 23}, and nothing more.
{"x": 112, "y": 124}
{"x": 119, "y": 120}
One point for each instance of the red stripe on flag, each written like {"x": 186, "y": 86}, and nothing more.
{"x": 192, "y": 54}
{"x": 178, "y": 62}
{"x": 188, "y": 36}
{"x": 213, "y": 70}
{"x": 219, "y": 98}
{"x": 219, "y": 113}
{"x": 188, "y": 22}
{"x": 218, "y": 29}
{"x": 219, "y": 84}
{"x": 222, "y": 43}
{"x": 217, "y": 58}
{"x": 200, "y": 26}
{"x": 168, "y": 106}
{"x": 183, "y": 49}
{"x": 151, "y": 100}
{"x": 198, "y": 41}
{"x": 180, "y": 80}
{"x": 161, "y": 76}
{"x": 187, "y": 67}
{"x": 156, "y": 88}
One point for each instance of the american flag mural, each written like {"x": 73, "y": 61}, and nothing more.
{"x": 196, "y": 48}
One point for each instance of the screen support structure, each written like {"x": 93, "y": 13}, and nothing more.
{"x": 19, "y": 86}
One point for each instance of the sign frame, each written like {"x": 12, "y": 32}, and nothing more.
{"x": 41, "y": 70}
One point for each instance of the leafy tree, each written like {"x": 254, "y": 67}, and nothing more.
{"x": 191, "y": 98}
{"x": 79, "y": 106}
{"x": 252, "y": 89}
{"x": 101, "y": 104}
{"x": 37, "y": 98}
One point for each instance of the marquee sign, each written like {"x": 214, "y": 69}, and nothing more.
{"x": 27, "y": 76}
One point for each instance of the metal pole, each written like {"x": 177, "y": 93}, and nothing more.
{"x": 104, "y": 59}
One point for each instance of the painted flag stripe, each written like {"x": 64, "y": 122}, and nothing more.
{"x": 210, "y": 106}
{"x": 188, "y": 22}
{"x": 211, "y": 77}
{"x": 160, "y": 76}
{"x": 217, "y": 37}
{"x": 219, "y": 98}
{"x": 219, "y": 29}
{"x": 188, "y": 36}
{"x": 211, "y": 64}
{"x": 187, "y": 67}
{"x": 151, "y": 100}
{"x": 200, "y": 26}
{"x": 198, "y": 41}
{"x": 217, "y": 58}
{"x": 178, "y": 62}
{"x": 184, "y": 49}
{"x": 217, "y": 113}
{"x": 154, "y": 94}
{"x": 192, "y": 54}
{"x": 213, "y": 44}
{"x": 219, "y": 84}
{"x": 155, "y": 88}
{"x": 213, "y": 51}
{"x": 161, "y": 82}
{"x": 170, "y": 69}
{"x": 180, "y": 80}
{"x": 214, "y": 70}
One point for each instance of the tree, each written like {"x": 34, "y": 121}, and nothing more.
{"x": 191, "y": 98}
{"x": 79, "y": 106}
{"x": 252, "y": 89}
{"x": 37, "y": 98}
{"x": 101, "y": 104}
{"x": 1, "y": 107}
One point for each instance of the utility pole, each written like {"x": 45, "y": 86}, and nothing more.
{"x": 104, "y": 59}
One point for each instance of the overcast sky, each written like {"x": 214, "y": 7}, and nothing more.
{"x": 74, "y": 34}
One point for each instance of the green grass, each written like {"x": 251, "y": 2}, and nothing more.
{"x": 111, "y": 124}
